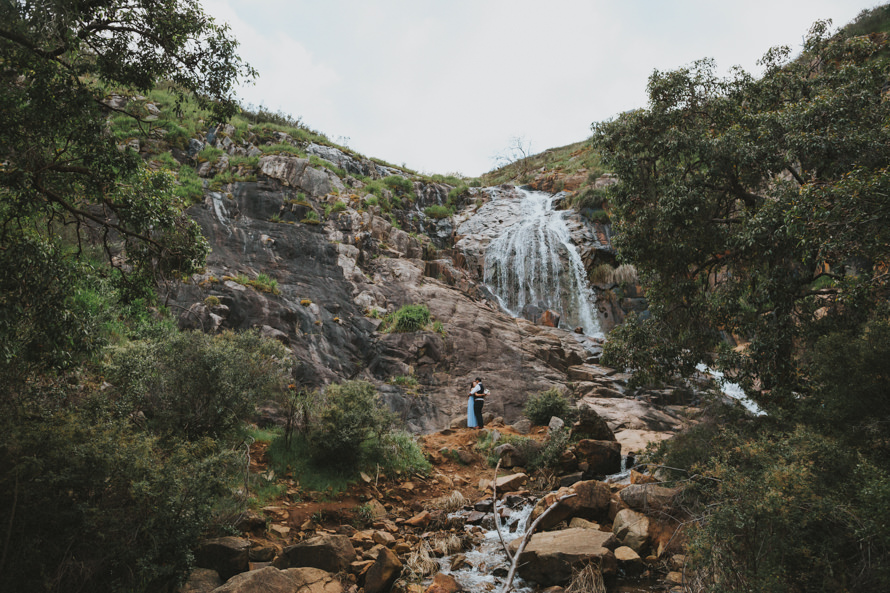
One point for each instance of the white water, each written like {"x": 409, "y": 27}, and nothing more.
{"x": 489, "y": 555}
{"x": 534, "y": 262}
{"x": 733, "y": 390}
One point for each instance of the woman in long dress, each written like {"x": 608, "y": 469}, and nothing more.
{"x": 471, "y": 405}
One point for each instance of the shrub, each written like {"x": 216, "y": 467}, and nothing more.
{"x": 546, "y": 404}
{"x": 402, "y": 455}
{"x": 408, "y": 318}
{"x": 550, "y": 455}
{"x": 89, "y": 503}
{"x": 338, "y": 206}
{"x": 371, "y": 200}
{"x": 399, "y": 184}
{"x": 350, "y": 428}
{"x": 404, "y": 380}
{"x": 437, "y": 211}
{"x": 192, "y": 385}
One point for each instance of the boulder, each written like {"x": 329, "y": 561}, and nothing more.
{"x": 273, "y": 580}
{"x": 522, "y": 426}
{"x": 643, "y": 497}
{"x": 549, "y": 557}
{"x": 632, "y": 529}
{"x": 555, "y": 424}
{"x": 383, "y": 572}
{"x": 226, "y": 555}
{"x": 603, "y": 458}
{"x": 444, "y": 583}
{"x": 421, "y": 519}
{"x": 591, "y": 501}
{"x": 550, "y": 318}
{"x": 331, "y": 553}
{"x": 201, "y": 580}
{"x": 510, "y": 483}
{"x": 629, "y": 562}
{"x": 590, "y": 425}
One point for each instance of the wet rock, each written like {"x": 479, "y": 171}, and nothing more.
{"x": 458, "y": 561}
{"x": 226, "y": 555}
{"x": 484, "y": 505}
{"x": 201, "y": 580}
{"x": 331, "y": 553}
{"x": 632, "y": 529}
{"x": 592, "y": 501}
{"x": 549, "y": 557}
{"x": 383, "y": 572}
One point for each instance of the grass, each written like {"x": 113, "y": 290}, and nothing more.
{"x": 437, "y": 211}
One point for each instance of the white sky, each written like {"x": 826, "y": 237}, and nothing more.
{"x": 444, "y": 86}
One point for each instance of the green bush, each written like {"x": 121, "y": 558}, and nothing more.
{"x": 88, "y": 503}
{"x": 437, "y": 211}
{"x": 400, "y": 454}
{"x": 546, "y": 404}
{"x": 408, "y": 318}
{"x": 192, "y": 385}
{"x": 350, "y": 427}
{"x": 549, "y": 456}
{"x": 399, "y": 185}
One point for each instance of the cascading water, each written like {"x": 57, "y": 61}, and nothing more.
{"x": 534, "y": 262}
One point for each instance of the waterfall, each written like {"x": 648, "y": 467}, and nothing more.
{"x": 534, "y": 263}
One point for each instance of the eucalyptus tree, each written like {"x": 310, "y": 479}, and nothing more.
{"x": 757, "y": 209}
{"x": 61, "y": 169}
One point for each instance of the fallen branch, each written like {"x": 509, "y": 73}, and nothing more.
{"x": 525, "y": 539}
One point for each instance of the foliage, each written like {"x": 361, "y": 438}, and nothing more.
{"x": 90, "y": 503}
{"x": 551, "y": 454}
{"x": 539, "y": 408}
{"x": 404, "y": 380}
{"x": 58, "y": 61}
{"x": 736, "y": 195}
{"x": 399, "y": 185}
{"x": 437, "y": 211}
{"x": 801, "y": 510}
{"x": 402, "y": 455}
{"x": 351, "y": 423}
{"x": 408, "y": 318}
{"x": 192, "y": 385}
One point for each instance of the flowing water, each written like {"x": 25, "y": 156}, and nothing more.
{"x": 484, "y": 559}
{"x": 534, "y": 263}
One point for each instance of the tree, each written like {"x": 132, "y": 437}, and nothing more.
{"x": 756, "y": 208}
{"x": 60, "y": 163}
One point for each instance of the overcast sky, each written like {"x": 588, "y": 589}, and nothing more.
{"x": 444, "y": 86}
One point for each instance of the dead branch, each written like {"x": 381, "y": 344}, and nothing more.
{"x": 508, "y": 585}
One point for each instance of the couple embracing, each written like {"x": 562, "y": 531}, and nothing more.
{"x": 474, "y": 404}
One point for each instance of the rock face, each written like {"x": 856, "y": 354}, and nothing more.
{"x": 338, "y": 273}
{"x": 549, "y": 557}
